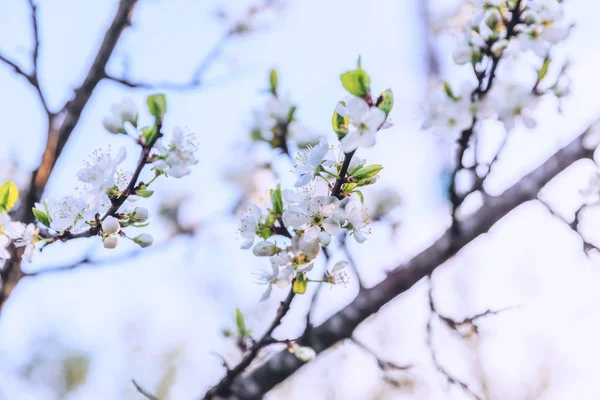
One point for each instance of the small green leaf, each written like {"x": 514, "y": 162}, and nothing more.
{"x": 148, "y": 133}
{"x": 157, "y": 104}
{"x": 356, "y": 82}
{"x": 367, "y": 172}
{"x": 41, "y": 217}
{"x": 300, "y": 284}
{"x": 385, "y": 102}
{"x": 544, "y": 70}
{"x": 144, "y": 192}
{"x": 277, "y": 200}
{"x": 240, "y": 322}
{"x": 449, "y": 91}
{"x": 360, "y": 196}
{"x": 273, "y": 81}
{"x": 9, "y": 194}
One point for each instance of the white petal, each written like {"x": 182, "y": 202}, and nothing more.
{"x": 357, "y": 107}
{"x": 324, "y": 238}
{"x": 311, "y": 234}
{"x": 266, "y": 294}
{"x": 350, "y": 142}
{"x": 375, "y": 118}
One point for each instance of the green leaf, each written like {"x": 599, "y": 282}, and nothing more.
{"x": 360, "y": 196}
{"x": 9, "y": 195}
{"x": 367, "y": 172}
{"x": 277, "y": 200}
{"x": 385, "y": 102}
{"x": 144, "y": 192}
{"x": 157, "y": 104}
{"x": 356, "y": 82}
{"x": 273, "y": 81}
{"x": 300, "y": 284}
{"x": 41, "y": 217}
{"x": 544, "y": 70}
{"x": 240, "y": 322}
{"x": 148, "y": 133}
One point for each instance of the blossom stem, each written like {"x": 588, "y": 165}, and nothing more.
{"x": 337, "y": 189}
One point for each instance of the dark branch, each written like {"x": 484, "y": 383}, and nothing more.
{"x": 144, "y": 392}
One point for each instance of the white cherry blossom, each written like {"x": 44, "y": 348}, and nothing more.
{"x": 448, "y": 116}
{"x": 359, "y": 220}
{"x": 249, "y": 220}
{"x": 310, "y": 161}
{"x": 365, "y": 121}
{"x": 100, "y": 171}
{"x": 121, "y": 112}
{"x": 177, "y": 158}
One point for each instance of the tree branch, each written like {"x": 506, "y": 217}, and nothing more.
{"x": 340, "y": 326}
{"x": 60, "y": 128}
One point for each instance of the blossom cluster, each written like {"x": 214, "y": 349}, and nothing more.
{"x": 509, "y": 33}
{"x": 105, "y": 201}
{"x": 327, "y": 198}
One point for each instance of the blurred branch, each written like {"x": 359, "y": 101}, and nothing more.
{"x": 451, "y": 379}
{"x": 431, "y": 60}
{"x": 32, "y": 77}
{"x": 483, "y": 87}
{"x": 340, "y": 326}
{"x": 383, "y": 364}
{"x": 197, "y": 79}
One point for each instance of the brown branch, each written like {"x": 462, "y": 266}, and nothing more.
{"x": 340, "y": 326}
{"x": 60, "y": 128}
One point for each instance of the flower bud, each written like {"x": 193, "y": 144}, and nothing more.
{"x": 305, "y": 353}
{"x": 110, "y": 242}
{"x": 140, "y": 214}
{"x": 111, "y": 225}
{"x": 112, "y": 124}
{"x": 144, "y": 240}
{"x": 264, "y": 249}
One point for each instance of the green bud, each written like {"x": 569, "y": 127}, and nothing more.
{"x": 9, "y": 194}
{"x": 367, "y": 172}
{"x": 157, "y": 104}
{"x": 277, "y": 200}
{"x": 240, "y": 323}
{"x": 273, "y": 80}
{"x": 143, "y": 192}
{"x": 385, "y": 102}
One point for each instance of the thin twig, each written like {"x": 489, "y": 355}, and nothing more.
{"x": 223, "y": 387}
{"x": 573, "y": 225}
{"x": 350, "y": 259}
{"x": 143, "y": 392}
{"x": 451, "y": 379}
{"x": 383, "y": 364}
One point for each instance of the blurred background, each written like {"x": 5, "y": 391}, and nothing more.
{"x": 158, "y": 315}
